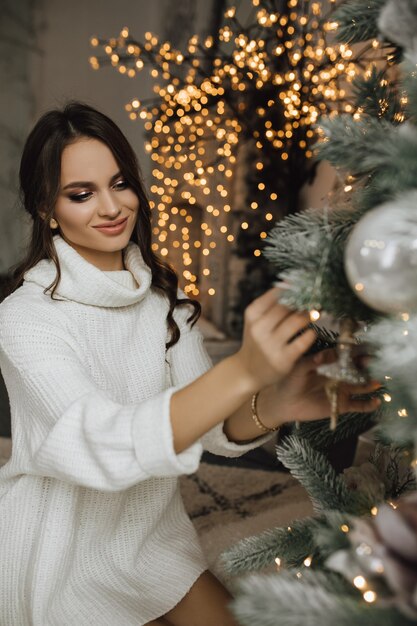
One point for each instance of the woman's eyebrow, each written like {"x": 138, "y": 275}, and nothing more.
{"x": 87, "y": 183}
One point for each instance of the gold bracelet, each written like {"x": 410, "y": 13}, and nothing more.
{"x": 256, "y": 417}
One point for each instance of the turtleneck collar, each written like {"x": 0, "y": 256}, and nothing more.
{"x": 83, "y": 282}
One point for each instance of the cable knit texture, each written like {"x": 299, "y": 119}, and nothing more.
{"x": 93, "y": 530}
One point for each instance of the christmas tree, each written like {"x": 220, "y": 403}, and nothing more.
{"x": 355, "y": 560}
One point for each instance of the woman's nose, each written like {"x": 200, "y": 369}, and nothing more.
{"x": 108, "y": 204}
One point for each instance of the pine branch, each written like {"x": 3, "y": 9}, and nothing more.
{"x": 336, "y": 297}
{"x": 394, "y": 345}
{"x": 254, "y": 553}
{"x": 308, "y": 249}
{"x": 328, "y": 534}
{"x": 399, "y": 477}
{"x": 376, "y": 96}
{"x": 325, "y": 339}
{"x": 381, "y": 154}
{"x": 357, "y": 20}
{"x": 326, "y": 489}
{"x": 360, "y": 147}
{"x": 285, "y": 600}
{"x": 299, "y": 239}
{"x": 392, "y": 178}
{"x": 410, "y": 85}
{"x": 399, "y": 432}
{"x": 320, "y": 437}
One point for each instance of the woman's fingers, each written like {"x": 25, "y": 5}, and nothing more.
{"x": 300, "y": 344}
{"x": 373, "y": 385}
{"x": 352, "y": 405}
{"x": 329, "y": 355}
{"x": 271, "y": 319}
{"x": 290, "y": 326}
{"x": 258, "y": 307}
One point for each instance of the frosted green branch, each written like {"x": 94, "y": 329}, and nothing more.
{"x": 409, "y": 74}
{"x": 357, "y": 20}
{"x": 285, "y": 600}
{"x": 328, "y": 534}
{"x": 327, "y": 490}
{"x": 257, "y": 552}
{"x": 320, "y": 437}
{"x": 299, "y": 239}
{"x": 376, "y": 96}
{"x": 379, "y": 153}
{"x": 394, "y": 343}
{"x": 364, "y": 146}
{"x": 296, "y": 246}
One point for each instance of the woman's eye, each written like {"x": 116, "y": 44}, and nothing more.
{"x": 80, "y": 197}
{"x": 121, "y": 184}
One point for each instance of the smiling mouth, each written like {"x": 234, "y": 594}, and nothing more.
{"x": 112, "y": 224}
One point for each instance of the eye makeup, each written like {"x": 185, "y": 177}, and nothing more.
{"x": 86, "y": 195}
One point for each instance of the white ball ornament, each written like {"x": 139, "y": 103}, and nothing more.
{"x": 381, "y": 256}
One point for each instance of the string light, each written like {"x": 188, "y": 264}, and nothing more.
{"x": 314, "y": 315}
{"x": 200, "y": 113}
{"x": 359, "y": 582}
{"x": 369, "y": 596}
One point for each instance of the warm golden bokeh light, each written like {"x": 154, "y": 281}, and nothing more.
{"x": 203, "y": 111}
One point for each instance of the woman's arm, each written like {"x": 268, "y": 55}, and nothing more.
{"x": 224, "y": 392}
{"x": 240, "y": 426}
{"x": 67, "y": 427}
{"x": 300, "y": 396}
{"x": 209, "y": 400}
{"x": 188, "y": 360}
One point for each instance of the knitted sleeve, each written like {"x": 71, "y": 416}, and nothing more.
{"x": 189, "y": 360}
{"x": 70, "y": 429}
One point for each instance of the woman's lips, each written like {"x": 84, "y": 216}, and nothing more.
{"x": 112, "y": 230}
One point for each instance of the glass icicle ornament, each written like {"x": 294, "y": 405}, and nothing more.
{"x": 342, "y": 370}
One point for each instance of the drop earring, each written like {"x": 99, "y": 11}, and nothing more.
{"x": 53, "y": 223}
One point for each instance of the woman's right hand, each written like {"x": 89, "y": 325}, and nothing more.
{"x": 266, "y": 355}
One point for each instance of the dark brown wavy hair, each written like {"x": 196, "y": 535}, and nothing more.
{"x": 40, "y": 173}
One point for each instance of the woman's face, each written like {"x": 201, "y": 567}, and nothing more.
{"x": 93, "y": 192}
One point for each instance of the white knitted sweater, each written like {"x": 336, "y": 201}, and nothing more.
{"x": 93, "y": 531}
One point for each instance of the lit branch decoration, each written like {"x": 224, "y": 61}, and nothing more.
{"x": 265, "y": 83}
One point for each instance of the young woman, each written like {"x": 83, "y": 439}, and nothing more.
{"x": 113, "y": 396}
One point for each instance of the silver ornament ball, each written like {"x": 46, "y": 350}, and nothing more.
{"x": 381, "y": 256}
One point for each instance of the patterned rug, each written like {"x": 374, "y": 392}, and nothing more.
{"x": 227, "y": 504}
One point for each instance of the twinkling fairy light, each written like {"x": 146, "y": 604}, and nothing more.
{"x": 264, "y": 82}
